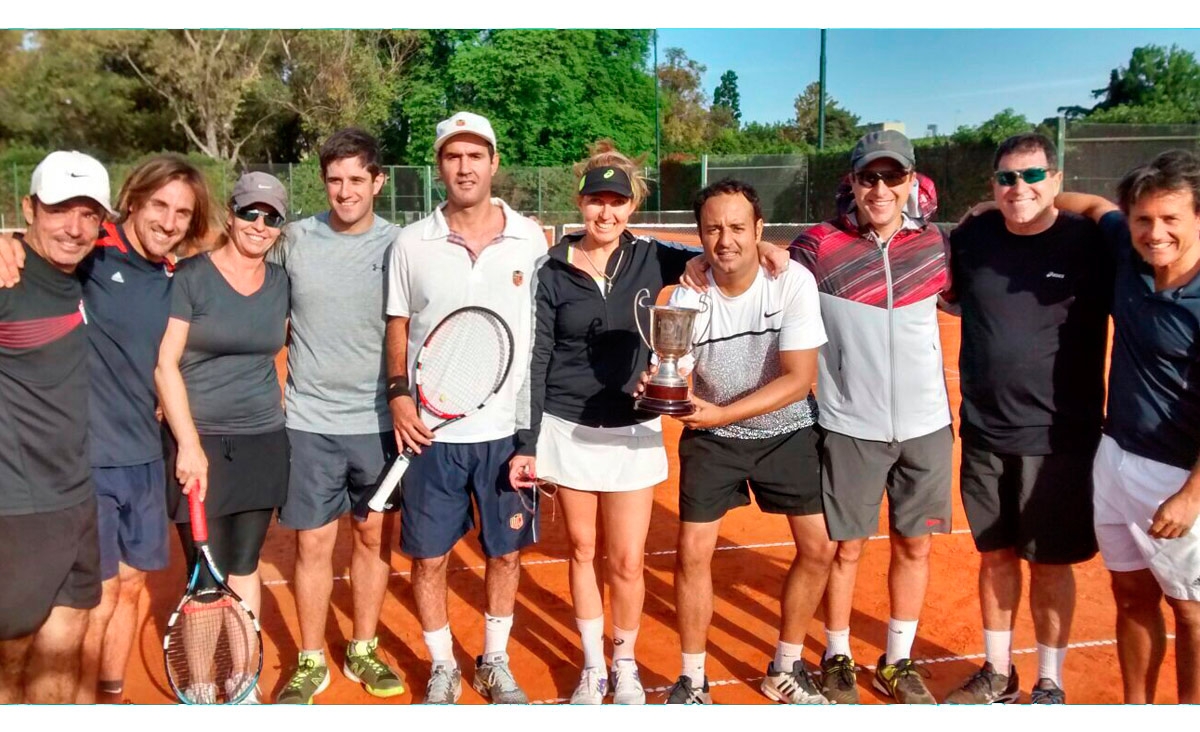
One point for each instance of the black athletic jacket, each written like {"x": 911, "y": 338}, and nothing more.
{"x": 587, "y": 354}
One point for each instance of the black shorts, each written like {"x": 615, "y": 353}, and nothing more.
{"x": 1040, "y": 506}
{"x": 47, "y": 560}
{"x": 245, "y": 473}
{"x": 235, "y": 541}
{"x": 718, "y": 473}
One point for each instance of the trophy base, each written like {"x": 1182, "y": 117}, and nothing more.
{"x": 669, "y": 407}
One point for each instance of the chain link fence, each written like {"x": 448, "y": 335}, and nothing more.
{"x": 793, "y": 188}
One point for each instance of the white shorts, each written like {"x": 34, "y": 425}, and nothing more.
{"x": 601, "y": 459}
{"x": 1128, "y": 490}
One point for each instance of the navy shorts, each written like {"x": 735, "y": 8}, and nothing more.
{"x": 131, "y": 515}
{"x": 436, "y": 495}
{"x": 330, "y": 473}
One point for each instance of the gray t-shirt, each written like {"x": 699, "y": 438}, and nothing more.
{"x": 336, "y": 367}
{"x": 228, "y": 364}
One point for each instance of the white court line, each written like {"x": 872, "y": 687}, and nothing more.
{"x": 921, "y": 661}
{"x": 538, "y": 562}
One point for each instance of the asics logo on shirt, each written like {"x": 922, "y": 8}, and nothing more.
{"x": 117, "y": 277}
{"x": 1055, "y": 276}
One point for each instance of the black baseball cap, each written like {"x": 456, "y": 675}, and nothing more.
{"x": 606, "y": 179}
{"x": 883, "y": 144}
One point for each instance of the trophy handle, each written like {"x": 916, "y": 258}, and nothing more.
{"x": 705, "y": 307}
{"x": 642, "y": 296}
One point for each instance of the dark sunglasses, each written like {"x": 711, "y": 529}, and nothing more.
{"x": 868, "y": 178}
{"x": 1008, "y": 178}
{"x": 250, "y": 214}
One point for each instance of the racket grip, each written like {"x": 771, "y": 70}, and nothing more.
{"x": 380, "y": 499}
{"x": 197, "y": 514}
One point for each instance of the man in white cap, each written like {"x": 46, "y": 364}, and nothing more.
{"x": 472, "y": 250}
{"x": 49, "y": 550}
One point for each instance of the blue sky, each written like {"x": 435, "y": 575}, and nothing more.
{"x": 919, "y": 77}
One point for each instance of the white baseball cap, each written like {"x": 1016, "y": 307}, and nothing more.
{"x": 65, "y": 175}
{"x": 463, "y": 123}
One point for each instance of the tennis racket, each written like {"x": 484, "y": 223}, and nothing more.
{"x": 460, "y": 367}
{"x": 213, "y": 645}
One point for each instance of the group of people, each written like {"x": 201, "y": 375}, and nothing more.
{"x": 101, "y": 325}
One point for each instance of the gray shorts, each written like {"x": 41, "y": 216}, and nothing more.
{"x": 330, "y": 473}
{"x": 915, "y": 474}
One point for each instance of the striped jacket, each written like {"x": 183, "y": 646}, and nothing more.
{"x": 880, "y": 375}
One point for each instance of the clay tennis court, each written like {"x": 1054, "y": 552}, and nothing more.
{"x": 753, "y": 555}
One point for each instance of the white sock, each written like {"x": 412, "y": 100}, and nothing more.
{"x": 317, "y": 655}
{"x": 693, "y": 668}
{"x": 591, "y": 631}
{"x": 786, "y": 654}
{"x": 997, "y": 647}
{"x": 901, "y": 634}
{"x": 441, "y": 647}
{"x": 495, "y": 634}
{"x": 1050, "y": 663}
{"x": 837, "y": 643}
{"x": 623, "y": 642}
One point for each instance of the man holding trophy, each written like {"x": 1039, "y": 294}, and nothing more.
{"x": 749, "y": 428}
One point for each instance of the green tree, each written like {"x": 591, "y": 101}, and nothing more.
{"x": 726, "y": 96}
{"x": 840, "y": 125}
{"x": 685, "y": 111}
{"x": 1001, "y": 126}
{"x": 1158, "y": 86}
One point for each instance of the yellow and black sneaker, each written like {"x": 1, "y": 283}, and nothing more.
{"x": 902, "y": 681}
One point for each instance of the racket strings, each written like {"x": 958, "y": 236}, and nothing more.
{"x": 465, "y": 361}
{"x": 212, "y": 651}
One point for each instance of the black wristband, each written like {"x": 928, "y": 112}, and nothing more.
{"x": 397, "y": 386}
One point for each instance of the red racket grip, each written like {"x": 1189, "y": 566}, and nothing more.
{"x": 199, "y": 518}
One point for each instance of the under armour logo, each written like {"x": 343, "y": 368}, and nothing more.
{"x": 378, "y": 268}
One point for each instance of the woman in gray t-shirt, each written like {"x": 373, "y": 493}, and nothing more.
{"x": 220, "y": 391}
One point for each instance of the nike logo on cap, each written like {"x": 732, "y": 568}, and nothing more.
{"x": 77, "y": 175}
{"x": 264, "y": 188}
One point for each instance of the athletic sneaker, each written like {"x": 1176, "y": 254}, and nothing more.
{"x": 791, "y": 687}
{"x": 593, "y": 685}
{"x": 445, "y": 685}
{"x": 681, "y": 692}
{"x": 368, "y": 669}
{"x": 204, "y": 692}
{"x": 902, "y": 681}
{"x": 309, "y": 679}
{"x": 494, "y": 680}
{"x": 987, "y": 687}
{"x": 1046, "y": 691}
{"x": 839, "y": 683}
{"x": 627, "y": 683}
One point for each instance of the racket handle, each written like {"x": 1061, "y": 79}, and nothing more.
{"x": 196, "y": 511}
{"x": 380, "y": 500}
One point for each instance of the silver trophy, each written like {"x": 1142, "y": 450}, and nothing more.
{"x": 670, "y": 339}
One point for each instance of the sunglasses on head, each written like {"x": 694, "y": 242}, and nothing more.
{"x": 868, "y": 178}
{"x": 1029, "y": 175}
{"x": 250, "y": 214}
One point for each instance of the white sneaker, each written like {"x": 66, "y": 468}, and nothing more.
{"x": 235, "y": 686}
{"x": 627, "y": 683}
{"x": 593, "y": 685}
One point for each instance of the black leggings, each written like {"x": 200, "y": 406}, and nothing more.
{"x": 235, "y": 540}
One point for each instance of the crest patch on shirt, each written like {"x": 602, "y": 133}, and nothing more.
{"x": 518, "y": 277}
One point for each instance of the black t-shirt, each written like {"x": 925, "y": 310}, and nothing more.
{"x": 228, "y": 364}
{"x": 43, "y": 392}
{"x": 1034, "y": 333}
{"x": 1154, "y": 384}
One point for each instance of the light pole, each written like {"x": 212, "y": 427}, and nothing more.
{"x": 821, "y": 98}
{"x": 657, "y": 136}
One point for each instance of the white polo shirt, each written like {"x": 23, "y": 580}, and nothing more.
{"x": 429, "y": 277}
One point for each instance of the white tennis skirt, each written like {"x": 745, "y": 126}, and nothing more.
{"x": 601, "y": 459}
